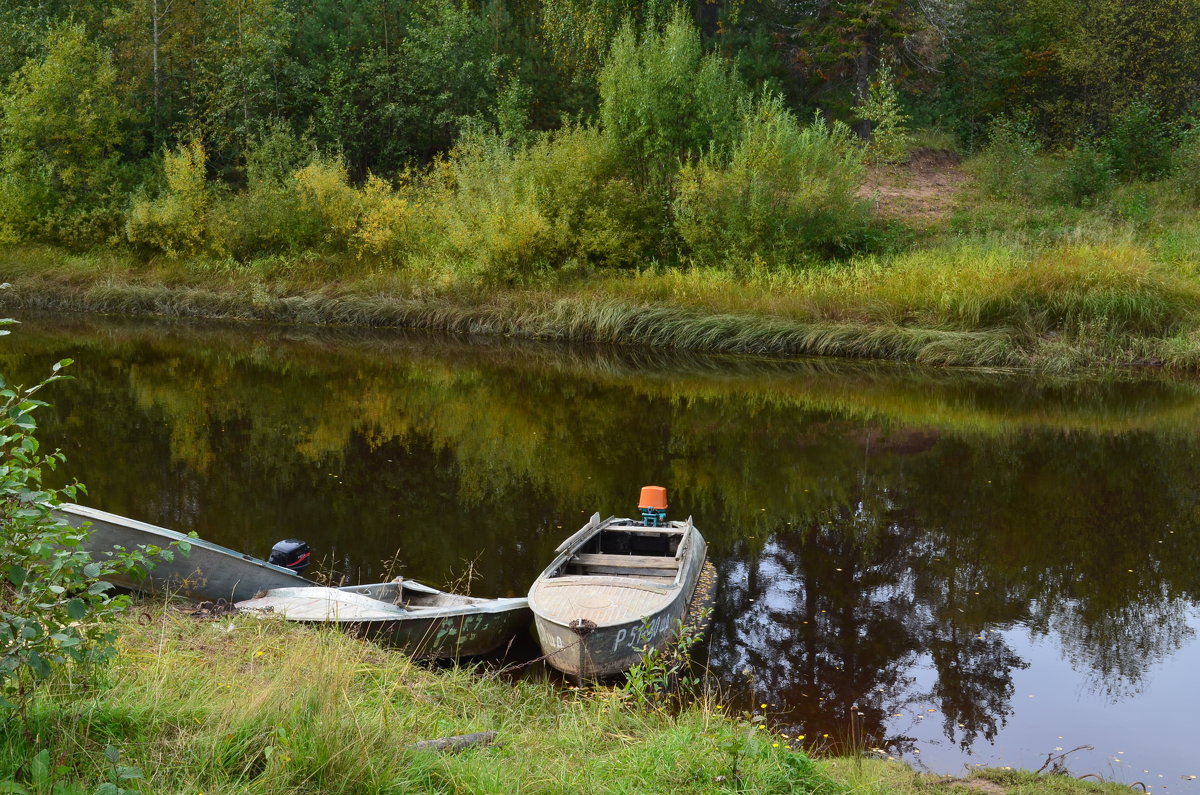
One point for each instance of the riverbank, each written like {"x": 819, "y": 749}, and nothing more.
{"x": 1114, "y": 303}
{"x": 242, "y": 705}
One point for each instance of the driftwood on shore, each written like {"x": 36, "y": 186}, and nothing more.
{"x": 456, "y": 743}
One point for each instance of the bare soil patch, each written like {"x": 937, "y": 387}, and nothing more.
{"x": 923, "y": 191}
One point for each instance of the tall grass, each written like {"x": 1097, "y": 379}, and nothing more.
{"x": 244, "y": 705}
{"x": 970, "y": 303}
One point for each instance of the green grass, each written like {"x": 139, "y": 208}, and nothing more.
{"x": 878, "y": 777}
{"x": 242, "y": 705}
{"x": 257, "y": 706}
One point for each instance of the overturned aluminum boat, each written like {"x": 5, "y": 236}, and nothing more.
{"x": 617, "y": 587}
{"x": 423, "y": 621}
{"x": 209, "y": 571}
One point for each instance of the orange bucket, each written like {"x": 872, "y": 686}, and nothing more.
{"x": 653, "y": 497}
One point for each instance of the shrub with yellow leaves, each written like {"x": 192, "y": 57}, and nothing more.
{"x": 175, "y": 221}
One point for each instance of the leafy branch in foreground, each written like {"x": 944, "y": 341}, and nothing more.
{"x": 55, "y": 603}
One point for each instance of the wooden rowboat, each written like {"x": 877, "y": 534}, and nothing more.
{"x": 423, "y": 621}
{"x": 208, "y": 571}
{"x": 616, "y": 587}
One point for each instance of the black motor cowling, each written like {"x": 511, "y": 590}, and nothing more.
{"x": 291, "y": 553}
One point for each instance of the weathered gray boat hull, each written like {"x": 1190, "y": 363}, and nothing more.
{"x": 606, "y": 651}
{"x": 410, "y": 616}
{"x": 606, "y": 648}
{"x": 210, "y": 571}
{"x": 447, "y": 637}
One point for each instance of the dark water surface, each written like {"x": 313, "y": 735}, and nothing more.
{"x": 952, "y": 567}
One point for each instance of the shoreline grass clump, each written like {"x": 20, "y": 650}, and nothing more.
{"x": 961, "y": 303}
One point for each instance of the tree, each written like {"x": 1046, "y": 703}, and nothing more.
{"x": 1074, "y": 68}
{"x": 446, "y": 70}
{"x": 888, "y": 136}
{"x": 61, "y": 131}
{"x": 238, "y": 72}
{"x": 664, "y": 102}
{"x": 580, "y": 32}
{"x": 155, "y": 44}
{"x": 835, "y": 46}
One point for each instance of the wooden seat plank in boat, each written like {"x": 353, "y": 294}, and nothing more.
{"x": 591, "y": 559}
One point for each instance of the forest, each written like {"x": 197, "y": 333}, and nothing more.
{"x": 528, "y": 133}
{"x": 749, "y": 147}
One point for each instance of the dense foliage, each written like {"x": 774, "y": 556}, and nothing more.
{"x": 500, "y": 139}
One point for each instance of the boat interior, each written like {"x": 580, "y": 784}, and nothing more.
{"x": 633, "y": 550}
{"x": 402, "y": 595}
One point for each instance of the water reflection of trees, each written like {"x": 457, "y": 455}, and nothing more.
{"x": 834, "y": 616}
{"x": 880, "y": 523}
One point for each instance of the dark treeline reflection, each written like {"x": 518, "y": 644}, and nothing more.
{"x": 866, "y": 522}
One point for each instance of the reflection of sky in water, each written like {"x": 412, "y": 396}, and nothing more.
{"x": 1141, "y": 729}
{"x": 1154, "y": 733}
{"x": 888, "y": 541}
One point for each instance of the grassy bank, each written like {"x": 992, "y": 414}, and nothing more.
{"x": 1117, "y": 301}
{"x": 248, "y": 706}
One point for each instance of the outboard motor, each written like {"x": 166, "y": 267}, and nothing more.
{"x": 291, "y": 553}
{"x": 653, "y": 506}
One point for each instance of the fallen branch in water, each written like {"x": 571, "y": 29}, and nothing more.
{"x": 1059, "y": 758}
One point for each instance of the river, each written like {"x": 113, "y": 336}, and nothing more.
{"x": 953, "y": 568}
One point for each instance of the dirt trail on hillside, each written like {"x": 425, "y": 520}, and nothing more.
{"x": 924, "y": 191}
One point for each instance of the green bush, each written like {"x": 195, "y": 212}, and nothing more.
{"x": 787, "y": 193}
{"x": 55, "y": 607}
{"x": 392, "y": 220}
{"x": 276, "y": 154}
{"x": 1139, "y": 143}
{"x": 504, "y": 213}
{"x": 271, "y": 215}
{"x": 310, "y": 208}
{"x": 484, "y": 206}
{"x": 25, "y": 199}
{"x": 1008, "y": 164}
{"x": 580, "y": 184}
{"x": 665, "y": 102}
{"x": 1185, "y": 171}
{"x": 61, "y": 129}
{"x": 328, "y": 199}
{"x": 261, "y": 220}
{"x": 1086, "y": 174}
